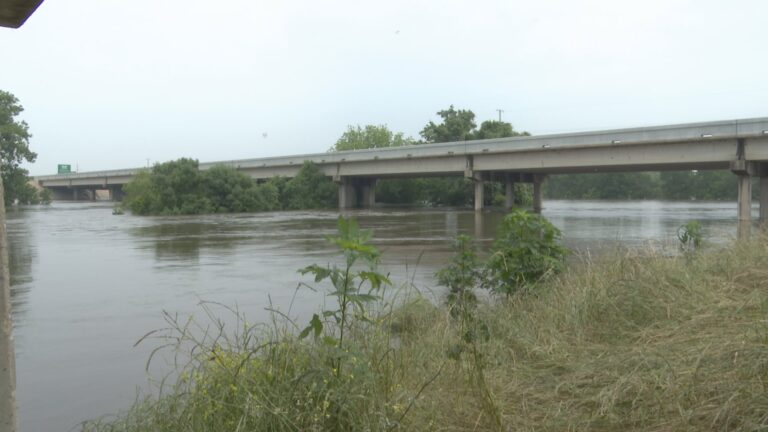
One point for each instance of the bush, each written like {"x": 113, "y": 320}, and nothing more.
{"x": 179, "y": 187}
{"x": 462, "y": 275}
{"x": 310, "y": 189}
{"x": 526, "y": 250}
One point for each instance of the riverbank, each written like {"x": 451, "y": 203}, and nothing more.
{"x": 632, "y": 342}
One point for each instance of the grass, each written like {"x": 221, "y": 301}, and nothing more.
{"x": 625, "y": 343}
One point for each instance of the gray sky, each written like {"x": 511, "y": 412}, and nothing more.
{"x": 109, "y": 84}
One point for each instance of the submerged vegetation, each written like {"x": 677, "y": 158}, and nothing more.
{"x": 629, "y": 342}
{"x": 179, "y": 187}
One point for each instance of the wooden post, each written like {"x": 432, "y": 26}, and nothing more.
{"x": 8, "y": 420}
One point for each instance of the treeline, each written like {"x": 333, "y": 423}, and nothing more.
{"x": 455, "y": 125}
{"x": 671, "y": 185}
{"x": 179, "y": 187}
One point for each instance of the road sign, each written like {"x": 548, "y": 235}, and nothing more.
{"x": 65, "y": 168}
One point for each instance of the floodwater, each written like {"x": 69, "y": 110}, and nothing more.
{"x": 86, "y": 285}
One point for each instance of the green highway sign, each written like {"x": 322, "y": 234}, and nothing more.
{"x": 65, "y": 169}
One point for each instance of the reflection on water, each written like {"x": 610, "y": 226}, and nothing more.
{"x": 22, "y": 254}
{"x": 87, "y": 284}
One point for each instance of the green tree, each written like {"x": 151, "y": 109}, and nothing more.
{"x": 395, "y": 191}
{"x": 310, "y": 189}
{"x": 14, "y": 150}
{"x": 179, "y": 187}
{"x": 616, "y": 186}
{"x": 370, "y": 136}
{"x": 700, "y": 185}
{"x": 496, "y": 129}
{"x": 231, "y": 191}
{"x": 457, "y": 125}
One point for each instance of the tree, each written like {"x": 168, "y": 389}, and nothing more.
{"x": 496, "y": 129}
{"x": 396, "y": 191}
{"x": 370, "y": 136}
{"x": 310, "y": 189}
{"x": 14, "y": 150}
{"x": 618, "y": 186}
{"x": 231, "y": 191}
{"x": 457, "y": 125}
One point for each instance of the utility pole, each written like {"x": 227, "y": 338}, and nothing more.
{"x": 500, "y": 111}
{"x": 8, "y": 420}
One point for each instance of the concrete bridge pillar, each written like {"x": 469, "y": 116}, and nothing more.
{"x": 509, "y": 192}
{"x": 347, "y": 196}
{"x": 479, "y": 190}
{"x": 357, "y": 192}
{"x": 744, "y": 170}
{"x": 764, "y": 201}
{"x": 745, "y": 206}
{"x": 368, "y": 189}
{"x": 538, "y": 181}
{"x": 763, "y": 172}
{"x": 116, "y": 193}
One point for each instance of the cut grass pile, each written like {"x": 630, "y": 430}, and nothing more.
{"x": 627, "y": 343}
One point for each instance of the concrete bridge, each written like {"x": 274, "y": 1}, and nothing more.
{"x": 738, "y": 145}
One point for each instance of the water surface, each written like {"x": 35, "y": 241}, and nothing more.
{"x": 86, "y": 285}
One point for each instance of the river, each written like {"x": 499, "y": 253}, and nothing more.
{"x": 86, "y": 285}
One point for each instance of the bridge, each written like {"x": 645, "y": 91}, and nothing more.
{"x": 738, "y": 145}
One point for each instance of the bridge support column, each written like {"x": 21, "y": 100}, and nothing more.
{"x": 347, "y": 195}
{"x": 509, "y": 192}
{"x": 744, "y": 170}
{"x": 116, "y": 193}
{"x": 763, "y": 172}
{"x": 745, "y": 206}
{"x": 538, "y": 180}
{"x": 75, "y": 193}
{"x": 479, "y": 190}
{"x": 368, "y": 189}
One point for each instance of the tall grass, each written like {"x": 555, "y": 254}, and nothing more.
{"x": 624, "y": 343}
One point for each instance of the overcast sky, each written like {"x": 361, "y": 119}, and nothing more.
{"x": 109, "y": 84}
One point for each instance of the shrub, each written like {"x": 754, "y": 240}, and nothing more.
{"x": 690, "y": 236}
{"x": 526, "y": 250}
{"x": 461, "y": 275}
{"x": 179, "y": 187}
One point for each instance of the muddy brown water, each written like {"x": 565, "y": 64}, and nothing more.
{"x": 86, "y": 285}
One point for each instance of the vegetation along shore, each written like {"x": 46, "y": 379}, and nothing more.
{"x": 629, "y": 341}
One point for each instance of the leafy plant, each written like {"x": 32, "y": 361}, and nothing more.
{"x": 349, "y": 286}
{"x": 461, "y": 275}
{"x": 690, "y": 235}
{"x": 527, "y": 249}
